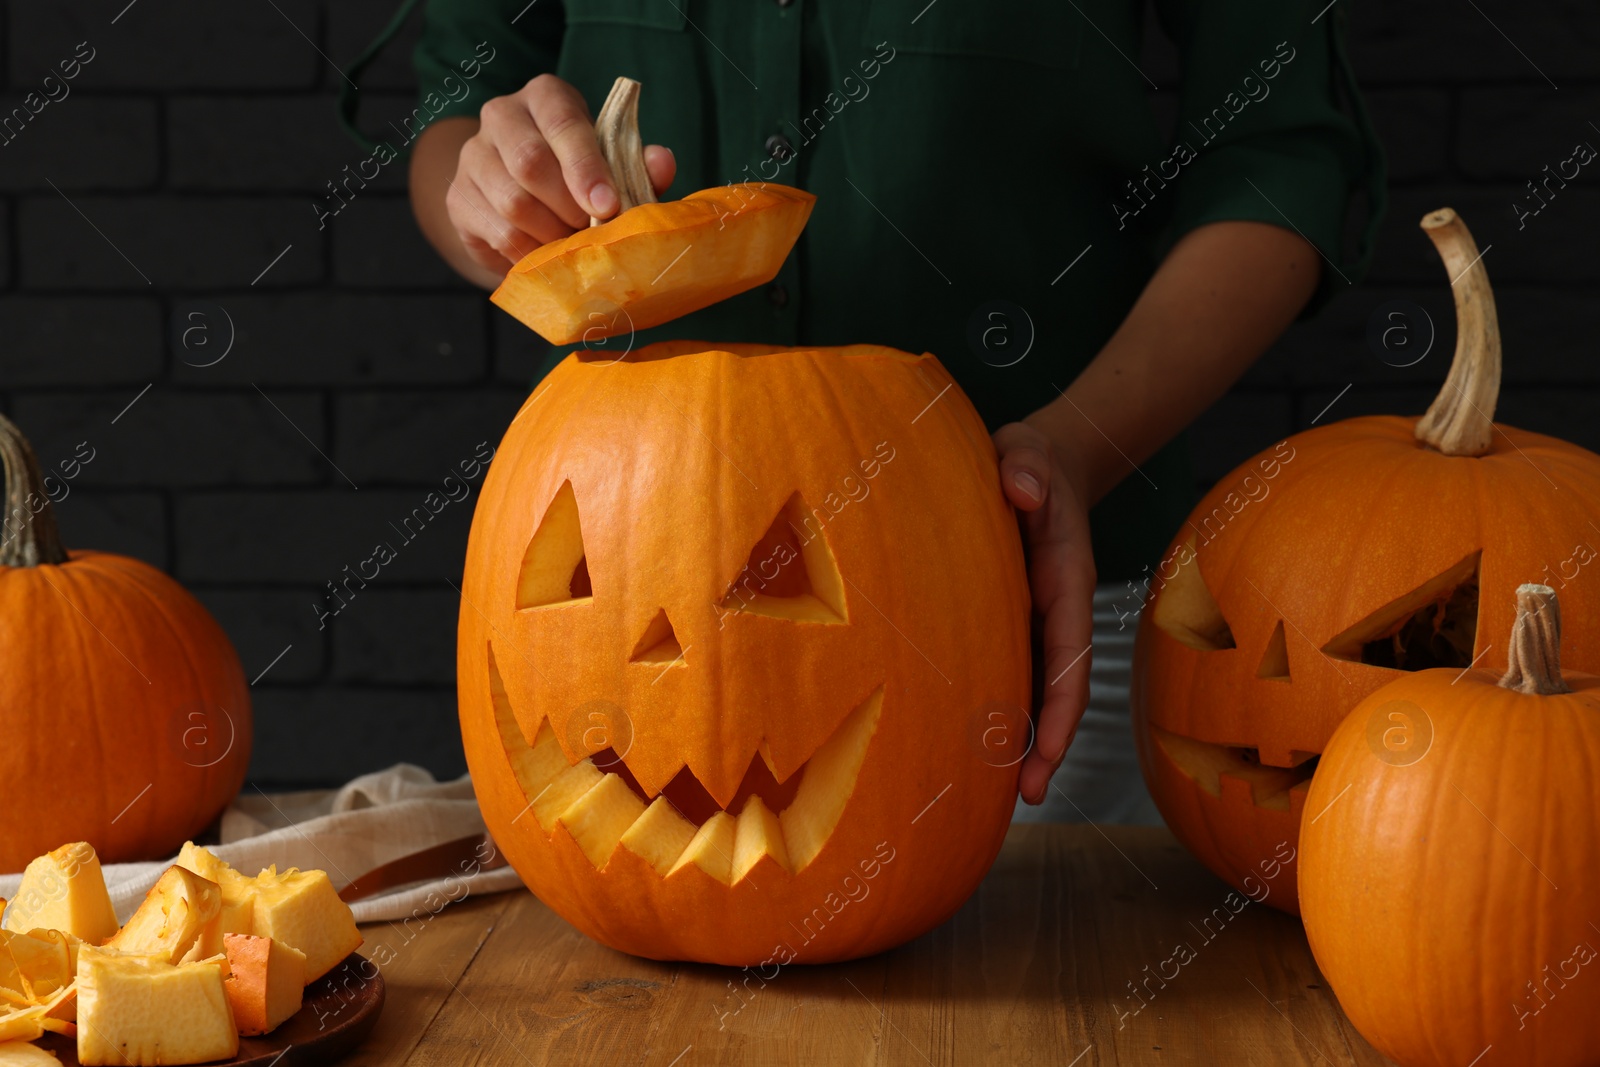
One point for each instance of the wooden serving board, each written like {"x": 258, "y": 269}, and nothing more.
{"x": 340, "y": 1009}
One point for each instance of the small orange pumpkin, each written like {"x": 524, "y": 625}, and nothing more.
{"x": 653, "y": 262}
{"x": 1334, "y": 563}
{"x": 743, "y": 643}
{"x": 1447, "y": 867}
{"x": 126, "y": 718}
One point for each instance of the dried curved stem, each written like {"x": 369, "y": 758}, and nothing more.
{"x": 618, "y": 131}
{"x": 28, "y": 532}
{"x": 1535, "y": 660}
{"x": 1460, "y": 421}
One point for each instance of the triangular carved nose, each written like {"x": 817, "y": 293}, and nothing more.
{"x": 659, "y": 643}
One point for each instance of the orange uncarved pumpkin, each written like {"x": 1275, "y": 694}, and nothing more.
{"x": 654, "y": 262}
{"x": 124, "y": 714}
{"x": 743, "y": 652}
{"x": 1448, "y": 882}
{"x": 1334, "y": 563}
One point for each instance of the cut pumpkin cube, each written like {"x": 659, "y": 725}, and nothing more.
{"x": 64, "y": 890}
{"x": 24, "y": 1054}
{"x": 139, "y": 1010}
{"x": 33, "y": 966}
{"x": 829, "y": 780}
{"x": 176, "y": 921}
{"x": 265, "y": 984}
{"x": 659, "y": 836}
{"x": 757, "y": 834}
{"x": 598, "y": 819}
{"x": 711, "y": 849}
{"x": 301, "y": 909}
{"x": 237, "y": 889}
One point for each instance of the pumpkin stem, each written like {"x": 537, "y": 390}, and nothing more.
{"x": 1535, "y": 660}
{"x": 618, "y": 132}
{"x": 28, "y": 533}
{"x": 1460, "y": 421}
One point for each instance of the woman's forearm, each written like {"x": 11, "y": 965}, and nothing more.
{"x": 1219, "y": 299}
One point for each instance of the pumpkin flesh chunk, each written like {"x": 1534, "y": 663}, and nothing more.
{"x": 265, "y": 982}
{"x": 830, "y": 779}
{"x": 64, "y": 890}
{"x": 176, "y": 922}
{"x": 598, "y": 819}
{"x": 141, "y": 1010}
{"x": 659, "y": 836}
{"x": 35, "y": 965}
{"x": 237, "y": 893}
{"x": 23, "y": 1054}
{"x": 302, "y": 910}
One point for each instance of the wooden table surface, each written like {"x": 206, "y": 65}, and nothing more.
{"x": 1037, "y": 968}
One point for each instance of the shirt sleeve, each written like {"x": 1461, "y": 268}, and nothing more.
{"x": 1271, "y": 128}
{"x": 491, "y": 47}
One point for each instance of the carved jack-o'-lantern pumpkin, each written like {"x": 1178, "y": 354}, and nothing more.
{"x": 728, "y": 620}
{"x": 1328, "y": 566}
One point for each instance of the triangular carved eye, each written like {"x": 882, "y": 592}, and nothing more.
{"x": 659, "y": 642}
{"x": 1188, "y": 612}
{"x": 1275, "y": 660}
{"x": 554, "y": 569}
{"x": 791, "y": 573}
{"x": 1434, "y": 625}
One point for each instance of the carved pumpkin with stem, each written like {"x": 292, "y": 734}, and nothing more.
{"x": 743, "y": 640}
{"x": 652, "y": 262}
{"x": 1448, "y": 886}
{"x": 1333, "y": 564}
{"x": 124, "y": 714}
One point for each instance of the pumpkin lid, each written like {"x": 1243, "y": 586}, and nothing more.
{"x": 653, "y": 262}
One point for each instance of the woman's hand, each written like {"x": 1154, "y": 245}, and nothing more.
{"x": 1061, "y": 576}
{"x": 533, "y": 173}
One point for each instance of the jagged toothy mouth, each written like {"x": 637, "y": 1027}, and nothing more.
{"x": 603, "y": 807}
{"x": 1208, "y": 765}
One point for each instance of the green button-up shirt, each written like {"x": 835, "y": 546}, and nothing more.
{"x": 993, "y": 183}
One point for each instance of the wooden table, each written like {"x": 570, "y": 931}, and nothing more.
{"x": 1037, "y": 968}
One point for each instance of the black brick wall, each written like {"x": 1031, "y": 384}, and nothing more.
{"x": 197, "y": 140}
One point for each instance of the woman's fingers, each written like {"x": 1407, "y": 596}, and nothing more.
{"x": 1061, "y": 578}
{"x": 533, "y": 173}
{"x": 1025, "y": 466}
{"x": 512, "y": 204}
{"x": 564, "y": 123}
{"x": 662, "y": 165}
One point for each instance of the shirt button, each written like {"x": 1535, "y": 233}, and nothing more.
{"x": 778, "y": 294}
{"x": 779, "y": 148}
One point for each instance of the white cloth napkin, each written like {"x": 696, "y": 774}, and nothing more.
{"x": 347, "y": 832}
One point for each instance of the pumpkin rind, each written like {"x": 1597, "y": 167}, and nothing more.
{"x": 678, "y": 461}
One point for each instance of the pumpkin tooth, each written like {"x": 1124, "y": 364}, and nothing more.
{"x": 758, "y": 833}
{"x": 598, "y": 819}
{"x": 566, "y": 787}
{"x": 659, "y": 836}
{"x": 830, "y": 778}
{"x": 711, "y": 849}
